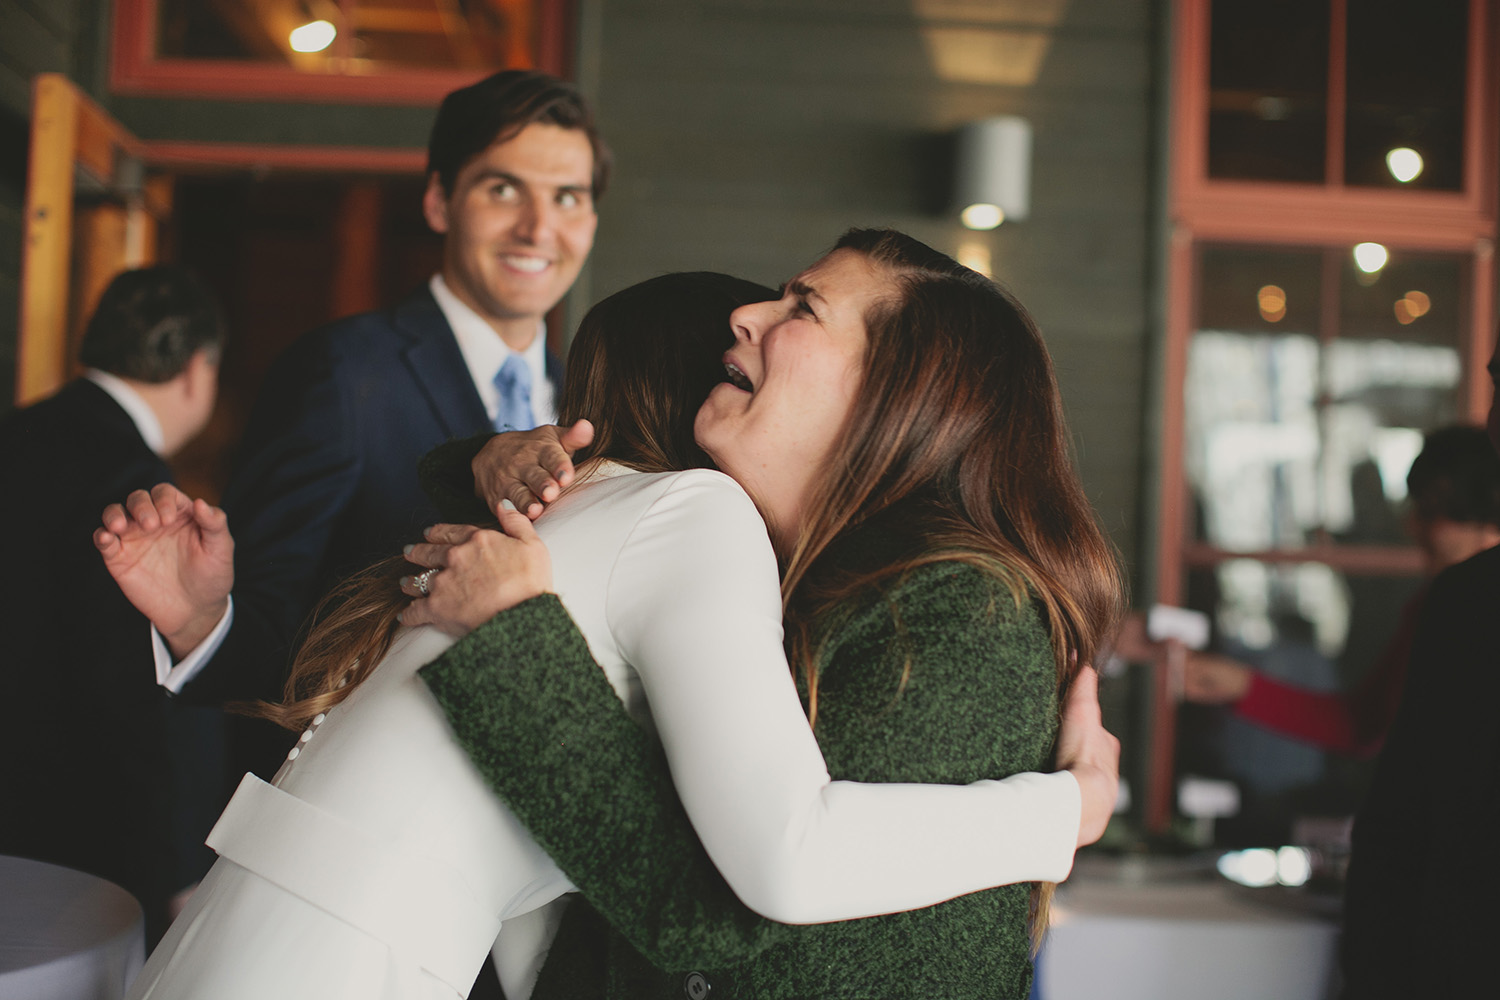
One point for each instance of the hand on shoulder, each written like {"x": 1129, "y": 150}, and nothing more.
{"x": 529, "y": 468}
{"x": 473, "y": 574}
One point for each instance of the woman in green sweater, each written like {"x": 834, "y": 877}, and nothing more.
{"x": 895, "y": 417}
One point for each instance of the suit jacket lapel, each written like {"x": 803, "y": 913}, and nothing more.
{"x": 554, "y": 369}
{"x": 438, "y": 367}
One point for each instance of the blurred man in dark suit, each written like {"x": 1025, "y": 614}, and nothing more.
{"x": 89, "y": 768}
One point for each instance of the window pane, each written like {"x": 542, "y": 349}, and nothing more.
{"x": 1407, "y": 61}
{"x": 1251, "y": 398}
{"x": 1392, "y": 373}
{"x": 359, "y": 37}
{"x": 1296, "y": 434}
{"x": 1268, "y": 90}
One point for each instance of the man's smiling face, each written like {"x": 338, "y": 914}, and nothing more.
{"x": 518, "y": 225}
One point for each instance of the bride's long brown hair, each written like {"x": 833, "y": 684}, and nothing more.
{"x": 956, "y": 449}
{"x": 642, "y": 363}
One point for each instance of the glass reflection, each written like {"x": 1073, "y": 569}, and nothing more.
{"x": 1297, "y": 435}
{"x": 1306, "y": 625}
{"x": 1268, "y": 69}
{"x": 1407, "y": 64}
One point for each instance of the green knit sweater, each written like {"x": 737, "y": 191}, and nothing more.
{"x": 544, "y": 727}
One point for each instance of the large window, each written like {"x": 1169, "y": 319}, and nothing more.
{"x": 1331, "y": 299}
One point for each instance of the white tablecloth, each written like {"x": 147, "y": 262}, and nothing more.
{"x": 65, "y": 935}
{"x": 1206, "y": 939}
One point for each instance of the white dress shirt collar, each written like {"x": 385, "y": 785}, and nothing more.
{"x": 139, "y": 411}
{"x": 484, "y": 352}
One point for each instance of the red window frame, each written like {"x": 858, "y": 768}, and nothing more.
{"x": 137, "y": 68}
{"x": 1206, "y": 210}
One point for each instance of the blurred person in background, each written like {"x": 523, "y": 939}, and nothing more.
{"x": 1454, "y": 495}
{"x": 97, "y": 765}
{"x": 1419, "y": 903}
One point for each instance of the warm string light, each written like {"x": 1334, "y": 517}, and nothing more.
{"x": 1370, "y": 257}
{"x": 1404, "y": 163}
{"x": 1272, "y": 302}
{"x": 314, "y": 36}
{"x": 1412, "y": 306}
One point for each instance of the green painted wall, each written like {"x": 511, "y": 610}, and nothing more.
{"x": 750, "y": 133}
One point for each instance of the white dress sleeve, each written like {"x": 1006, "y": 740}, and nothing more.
{"x": 694, "y": 604}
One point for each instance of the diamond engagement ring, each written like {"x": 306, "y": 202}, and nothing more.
{"x": 422, "y": 581}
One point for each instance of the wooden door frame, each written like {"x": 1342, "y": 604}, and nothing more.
{"x": 77, "y": 147}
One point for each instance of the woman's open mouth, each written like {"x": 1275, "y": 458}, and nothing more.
{"x": 737, "y": 378}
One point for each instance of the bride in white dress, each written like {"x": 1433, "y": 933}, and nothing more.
{"x": 378, "y": 864}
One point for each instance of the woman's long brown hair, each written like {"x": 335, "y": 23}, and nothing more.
{"x": 956, "y": 449}
{"x": 642, "y": 363}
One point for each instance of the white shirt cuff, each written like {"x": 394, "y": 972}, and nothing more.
{"x": 174, "y": 677}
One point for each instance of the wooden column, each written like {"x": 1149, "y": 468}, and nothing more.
{"x": 71, "y": 251}
{"x": 356, "y": 273}
{"x": 42, "y": 348}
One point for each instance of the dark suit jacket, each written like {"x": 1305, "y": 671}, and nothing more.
{"x": 86, "y": 759}
{"x": 326, "y": 480}
{"x": 1422, "y": 907}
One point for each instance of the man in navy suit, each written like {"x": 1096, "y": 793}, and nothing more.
{"x": 326, "y": 480}
{"x": 92, "y": 774}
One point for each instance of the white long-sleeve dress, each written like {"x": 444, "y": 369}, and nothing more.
{"x": 378, "y": 864}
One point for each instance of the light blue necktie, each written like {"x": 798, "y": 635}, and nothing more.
{"x": 514, "y": 382}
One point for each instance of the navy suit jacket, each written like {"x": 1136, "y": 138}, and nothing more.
{"x": 326, "y": 480}
{"x": 86, "y": 758}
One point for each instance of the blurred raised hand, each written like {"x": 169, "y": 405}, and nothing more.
{"x": 173, "y": 558}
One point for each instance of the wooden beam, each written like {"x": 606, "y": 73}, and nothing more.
{"x": 401, "y": 21}
{"x": 203, "y": 157}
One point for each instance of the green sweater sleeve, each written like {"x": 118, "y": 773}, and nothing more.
{"x": 535, "y": 713}
{"x": 914, "y": 683}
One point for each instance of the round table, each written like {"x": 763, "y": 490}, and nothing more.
{"x": 1167, "y": 937}
{"x": 66, "y": 935}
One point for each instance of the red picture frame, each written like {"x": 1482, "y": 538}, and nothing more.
{"x": 136, "y": 68}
